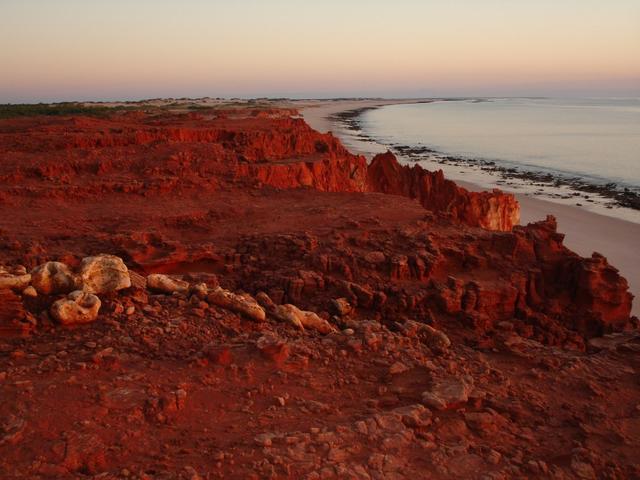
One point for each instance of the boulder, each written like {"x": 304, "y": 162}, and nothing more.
{"x": 288, "y": 313}
{"x": 243, "y": 304}
{"x": 103, "y": 273}
{"x": 77, "y": 308}
{"x": 291, "y": 314}
{"x": 486, "y": 422}
{"x": 166, "y": 284}
{"x": 414, "y": 416}
{"x": 52, "y": 278}
{"x": 14, "y": 282}
{"x": 302, "y": 319}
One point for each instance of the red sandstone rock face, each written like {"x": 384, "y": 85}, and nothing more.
{"x": 182, "y": 193}
{"x": 160, "y": 155}
{"x": 86, "y": 156}
{"x": 477, "y": 278}
{"x": 591, "y": 289}
{"x": 491, "y": 210}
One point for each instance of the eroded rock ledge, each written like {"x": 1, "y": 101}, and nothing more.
{"x": 168, "y": 153}
{"x": 491, "y": 210}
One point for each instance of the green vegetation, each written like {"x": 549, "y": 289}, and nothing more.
{"x": 100, "y": 110}
{"x": 68, "y": 108}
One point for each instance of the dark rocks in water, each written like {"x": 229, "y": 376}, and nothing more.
{"x": 621, "y": 197}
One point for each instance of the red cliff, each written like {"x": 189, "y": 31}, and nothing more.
{"x": 186, "y": 188}
{"x": 563, "y": 284}
{"x": 491, "y": 210}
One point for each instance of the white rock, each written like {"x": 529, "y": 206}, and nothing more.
{"x": 52, "y": 277}
{"x": 166, "y": 284}
{"x": 79, "y": 307}
{"x": 103, "y": 273}
{"x": 302, "y": 318}
{"x": 14, "y": 282}
{"x": 243, "y": 304}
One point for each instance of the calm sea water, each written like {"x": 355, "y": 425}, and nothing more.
{"x": 597, "y": 140}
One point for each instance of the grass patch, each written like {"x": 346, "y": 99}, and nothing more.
{"x": 56, "y": 109}
{"x": 9, "y": 110}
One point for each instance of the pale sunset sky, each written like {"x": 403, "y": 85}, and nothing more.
{"x": 58, "y": 50}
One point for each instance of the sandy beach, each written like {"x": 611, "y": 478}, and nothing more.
{"x": 586, "y": 232}
{"x": 317, "y": 112}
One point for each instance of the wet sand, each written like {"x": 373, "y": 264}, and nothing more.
{"x": 585, "y": 232}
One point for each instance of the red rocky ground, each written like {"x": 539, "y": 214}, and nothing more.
{"x": 174, "y": 386}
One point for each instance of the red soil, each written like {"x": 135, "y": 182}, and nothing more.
{"x": 258, "y": 201}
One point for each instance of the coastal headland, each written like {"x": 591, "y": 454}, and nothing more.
{"x": 585, "y": 231}
{"x": 219, "y": 290}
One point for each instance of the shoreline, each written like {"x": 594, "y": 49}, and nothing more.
{"x": 603, "y": 197}
{"x": 585, "y": 231}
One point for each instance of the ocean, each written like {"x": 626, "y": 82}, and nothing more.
{"x": 578, "y": 151}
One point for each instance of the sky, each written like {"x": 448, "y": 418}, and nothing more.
{"x": 61, "y": 50}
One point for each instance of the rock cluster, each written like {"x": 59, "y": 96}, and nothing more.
{"x": 95, "y": 275}
{"x": 103, "y": 274}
